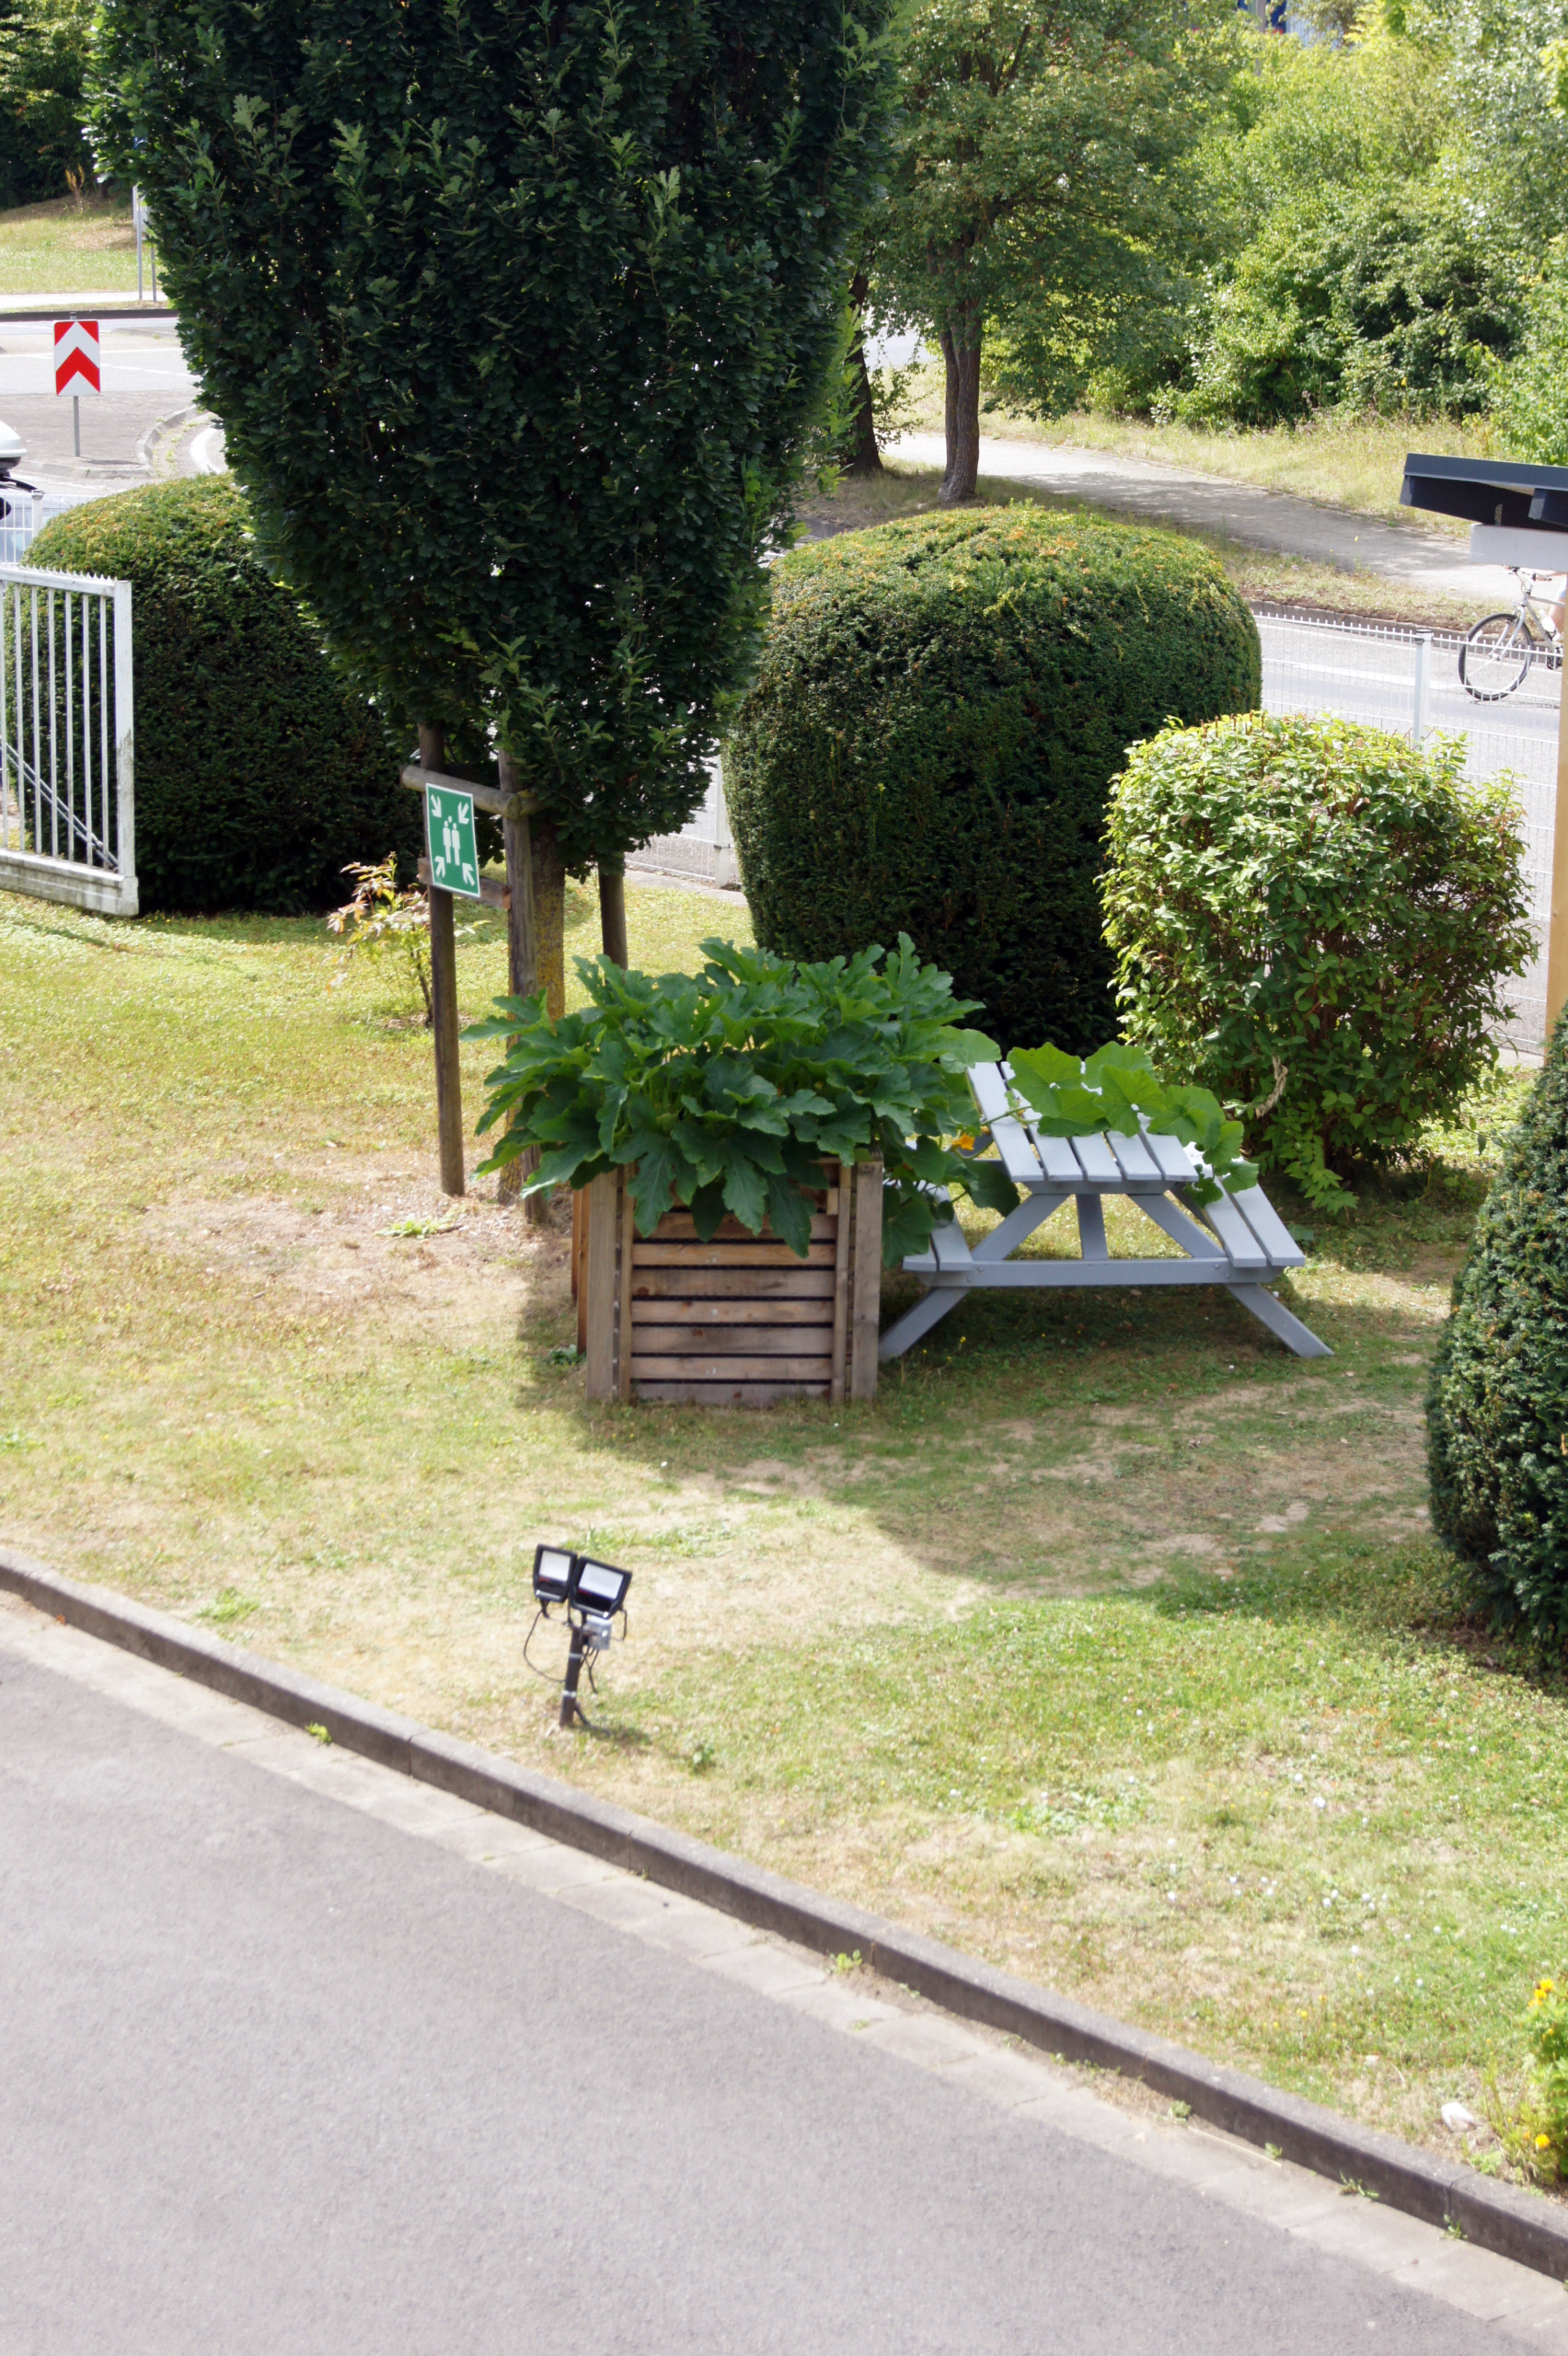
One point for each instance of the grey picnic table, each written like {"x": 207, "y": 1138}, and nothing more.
{"x": 1238, "y": 1241}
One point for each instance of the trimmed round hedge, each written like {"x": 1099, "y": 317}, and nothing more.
{"x": 1317, "y": 921}
{"x": 929, "y": 741}
{"x": 259, "y": 774}
{"x": 1497, "y": 1410}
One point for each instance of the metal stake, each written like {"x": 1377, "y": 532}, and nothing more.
{"x": 569, "y": 1709}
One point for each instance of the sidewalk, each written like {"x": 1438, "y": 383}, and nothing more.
{"x": 306, "y": 2055}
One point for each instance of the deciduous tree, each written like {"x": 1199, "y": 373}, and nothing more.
{"x": 1040, "y": 186}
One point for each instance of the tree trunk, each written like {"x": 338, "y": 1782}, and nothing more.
{"x": 549, "y": 917}
{"x": 961, "y": 356}
{"x": 862, "y": 456}
{"x": 611, "y": 912}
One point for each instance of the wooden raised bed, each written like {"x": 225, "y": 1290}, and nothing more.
{"x": 737, "y": 1321}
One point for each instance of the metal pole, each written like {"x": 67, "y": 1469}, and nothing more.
{"x": 1423, "y": 682}
{"x": 569, "y": 1709}
{"x": 443, "y": 1004}
{"x": 136, "y": 214}
{"x": 76, "y": 422}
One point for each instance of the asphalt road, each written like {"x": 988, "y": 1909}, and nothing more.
{"x": 275, "y": 2076}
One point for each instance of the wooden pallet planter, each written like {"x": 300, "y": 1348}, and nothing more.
{"x": 737, "y": 1321}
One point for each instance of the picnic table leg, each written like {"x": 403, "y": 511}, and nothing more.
{"x": 1092, "y": 1227}
{"x": 919, "y": 1319}
{"x": 1278, "y": 1319}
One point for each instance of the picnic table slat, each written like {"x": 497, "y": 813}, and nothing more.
{"x": 1018, "y": 1158}
{"x": 1175, "y": 1162}
{"x": 1268, "y": 1226}
{"x": 1134, "y": 1156}
{"x": 1096, "y": 1160}
{"x": 1233, "y": 1232}
{"x": 1059, "y": 1162}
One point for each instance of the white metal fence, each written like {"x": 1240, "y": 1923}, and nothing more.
{"x": 1409, "y": 680}
{"x": 27, "y": 512}
{"x": 702, "y": 852}
{"x": 67, "y": 740}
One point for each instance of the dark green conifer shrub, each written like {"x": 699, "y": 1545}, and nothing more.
{"x": 1497, "y": 1411}
{"x": 928, "y": 744}
{"x": 259, "y": 774}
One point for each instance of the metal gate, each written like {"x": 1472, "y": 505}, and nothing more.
{"x": 67, "y": 740}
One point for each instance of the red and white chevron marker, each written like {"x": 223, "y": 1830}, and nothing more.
{"x": 77, "y": 356}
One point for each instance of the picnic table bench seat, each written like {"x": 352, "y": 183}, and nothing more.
{"x": 1238, "y": 1241}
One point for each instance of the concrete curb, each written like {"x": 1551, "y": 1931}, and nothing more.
{"x": 1495, "y": 2216}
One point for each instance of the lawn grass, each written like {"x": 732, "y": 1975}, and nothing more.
{"x": 1260, "y": 575}
{"x": 71, "y": 244}
{"x": 1346, "y": 460}
{"x": 1109, "y": 1644}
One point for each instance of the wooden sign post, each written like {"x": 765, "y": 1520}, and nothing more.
{"x": 450, "y": 803}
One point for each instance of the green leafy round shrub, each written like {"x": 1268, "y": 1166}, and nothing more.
{"x": 927, "y": 748}
{"x": 1315, "y": 920}
{"x": 259, "y": 774}
{"x": 1497, "y": 1411}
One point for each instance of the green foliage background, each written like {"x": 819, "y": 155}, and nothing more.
{"x": 932, "y": 735}
{"x": 259, "y": 773}
{"x": 1318, "y": 922}
{"x": 518, "y": 322}
{"x": 44, "y": 49}
{"x": 1497, "y": 1411}
{"x": 1042, "y": 184}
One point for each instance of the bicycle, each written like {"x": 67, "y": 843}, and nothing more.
{"x": 1495, "y": 658}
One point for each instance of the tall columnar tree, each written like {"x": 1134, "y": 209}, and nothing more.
{"x": 516, "y": 317}
{"x": 1041, "y": 185}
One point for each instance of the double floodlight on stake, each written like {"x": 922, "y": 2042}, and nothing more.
{"x": 592, "y": 1593}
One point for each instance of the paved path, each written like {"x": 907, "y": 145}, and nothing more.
{"x": 298, "y": 2055}
{"x": 1264, "y": 519}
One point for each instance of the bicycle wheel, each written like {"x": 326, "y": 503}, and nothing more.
{"x": 1495, "y": 658}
